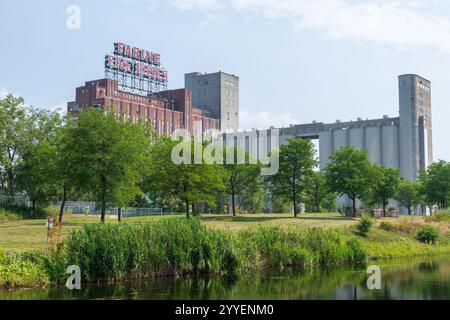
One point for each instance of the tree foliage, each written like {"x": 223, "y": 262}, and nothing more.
{"x": 319, "y": 197}
{"x": 384, "y": 185}
{"x": 242, "y": 179}
{"x": 408, "y": 194}
{"x": 105, "y": 157}
{"x": 188, "y": 182}
{"x": 16, "y": 134}
{"x": 348, "y": 173}
{"x": 436, "y": 184}
{"x": 297, "y": 161}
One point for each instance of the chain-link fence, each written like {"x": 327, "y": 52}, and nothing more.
{"x": 18, "y": 200}
{"x": 93, "y": 208}
{"x": 87, "y": 207}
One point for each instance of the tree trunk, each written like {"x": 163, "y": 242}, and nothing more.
{"x": 63, "y": 204}
{"x": 103, "y": 214}
{"x": 294, "y": 194}
{"x": 33, "y": 206}
{"x": 409, "y": 211}
{"x": 295, "y": 204}
{"x": 10, "y": 175}
{"x": 233, "y": 203}
{"x": 354, "y": 206}
{"x": 119, "y": 214}
{"x": 103, "y": 201}
{"x": 384, "y": 208}
{"x": 187, "y": 210}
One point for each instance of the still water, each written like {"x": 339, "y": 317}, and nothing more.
{"x": 423, "y": 278}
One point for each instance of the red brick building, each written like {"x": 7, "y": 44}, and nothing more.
{"x": 167, "y": 110}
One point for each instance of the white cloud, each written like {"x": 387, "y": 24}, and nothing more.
{"x": 264, "y": 120}
{"x": 194, "y": 4}
{"x": 400, "y": 23}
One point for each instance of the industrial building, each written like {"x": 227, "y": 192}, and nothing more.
{"x": 135, "y": 88}
{"x": 218, "y": 94}
{"x": 404, "y": 142}
{"x": 167, "y": 110}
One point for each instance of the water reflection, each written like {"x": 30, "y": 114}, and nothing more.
{"x": 410, "y": 279}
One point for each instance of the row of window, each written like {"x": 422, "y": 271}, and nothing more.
{"x": 129, "y": 111}
{"x": 158, "y": 125}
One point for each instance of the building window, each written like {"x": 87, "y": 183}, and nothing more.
{"x": 129, "y": 109}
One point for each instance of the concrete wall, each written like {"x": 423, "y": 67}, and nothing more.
{"x": 373, "y": 144}
{"x": 340, "y": 139}
{"x": 325, "y": 148}
{"x": 390, "y": 147}
{"x": 357, "y": 138}
{"x": 217, "y": 93}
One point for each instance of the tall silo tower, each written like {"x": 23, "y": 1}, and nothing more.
{"x": 416, "y": 135}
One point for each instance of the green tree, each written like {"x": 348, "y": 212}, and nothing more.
{"x": 105, "y": 157}
{"x": 385, "y": 182}
{"x": 35, "y": 173}
{"x": 297, "y": 161}
{"x": 16, "y": 134}
{"x": 408, "y": 195}
{"x": 280, "y": 204}
{"x": 436, "y": 184}
{"x": 252, "y": 198}
{"x": 348, "y": 173}
{"x": 189, "y": 182}
{"x": 319, "y": 196}
{"x": 240, "y": 177}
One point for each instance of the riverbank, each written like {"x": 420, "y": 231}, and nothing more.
{"x": 422, "y": 278}
{"x": 115, "y": 252}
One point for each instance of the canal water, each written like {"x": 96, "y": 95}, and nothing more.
{"x": 422, "y": 278}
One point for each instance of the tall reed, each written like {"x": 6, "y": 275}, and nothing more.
{"x": 178, "y": 247}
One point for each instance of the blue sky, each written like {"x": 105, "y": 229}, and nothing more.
{"x": 297, "y": 60}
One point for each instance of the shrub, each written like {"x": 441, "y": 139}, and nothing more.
{"x": 17, "y": 270}
{"x": 440, "y": 216}
{"x": 6, "y": 215}
{"x": 302, "y": 247}
{"x": 428, "y": 234}
{"x": 364, "y": 225}
{"x": 386, "y": 226}
{"x": 280, "y": 206}
{"x": 407, "y": 226}
{"x": 23, "y": 212}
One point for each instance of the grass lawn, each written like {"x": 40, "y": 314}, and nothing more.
{"x": 25, "y": 235}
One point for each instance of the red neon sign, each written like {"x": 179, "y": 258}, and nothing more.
{"x": 137, "y": 62}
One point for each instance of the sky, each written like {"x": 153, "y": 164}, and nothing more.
{"x": 298, "y": 60}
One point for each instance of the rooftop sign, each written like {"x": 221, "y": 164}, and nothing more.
{"x": 137, "y": 70}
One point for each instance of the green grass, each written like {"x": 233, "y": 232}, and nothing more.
{"x": 24, "y": 235}
{"x": 179, "y": 246}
